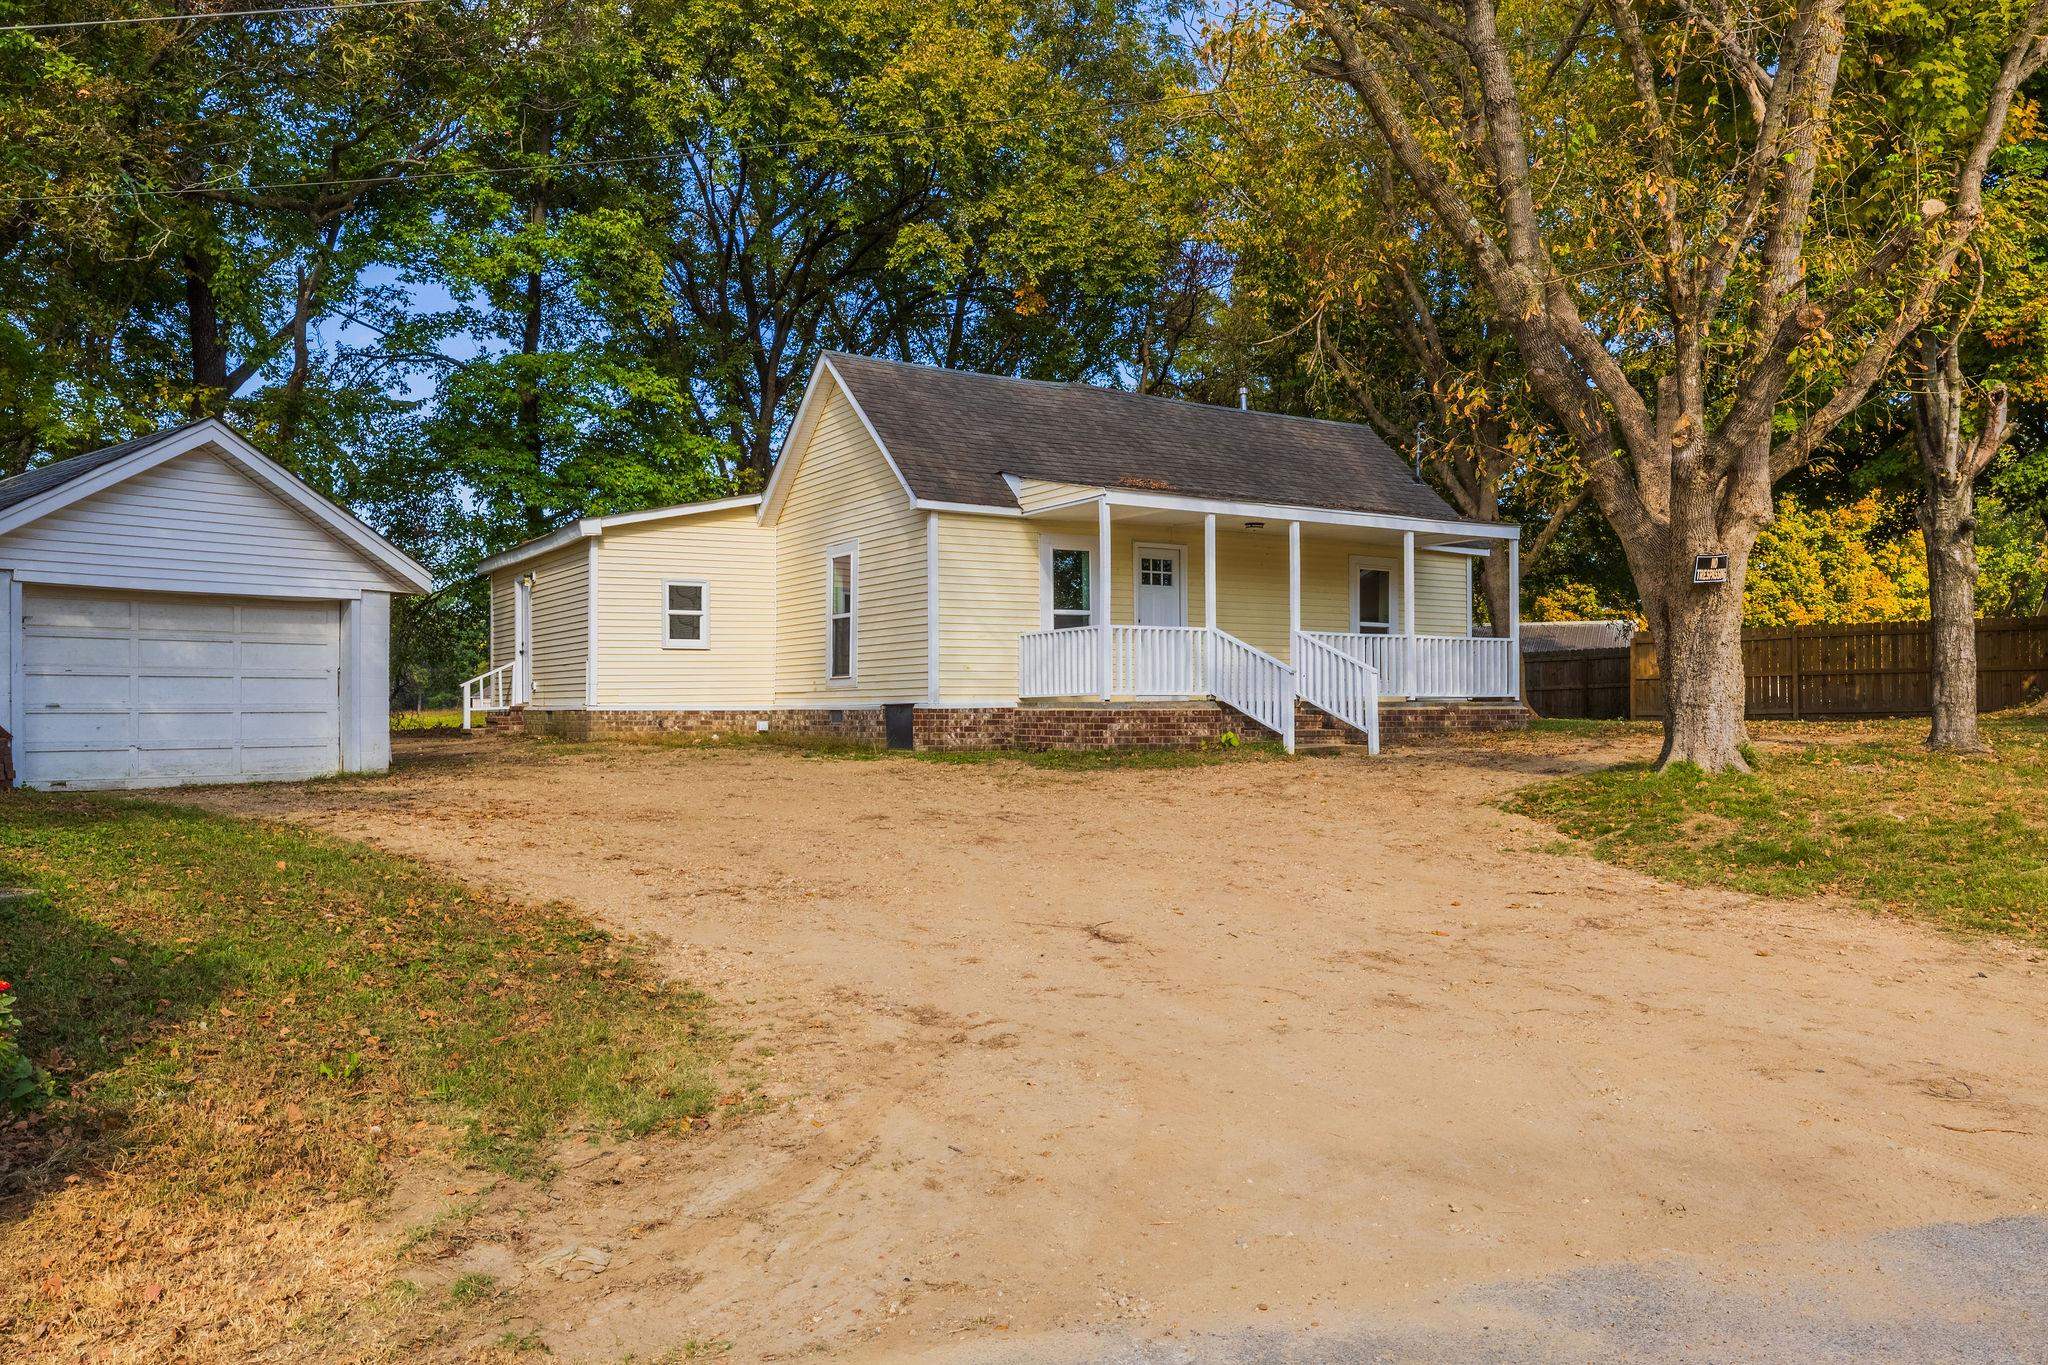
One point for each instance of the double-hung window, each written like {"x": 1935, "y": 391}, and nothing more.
{"x": 1073, "y": 587}
{"x": 842, "y": 602}
{"x": 686, "y": 608}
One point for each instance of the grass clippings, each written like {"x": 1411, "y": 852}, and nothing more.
{"x": 1865, "y": 814}
{"x": 251, "y": 1030}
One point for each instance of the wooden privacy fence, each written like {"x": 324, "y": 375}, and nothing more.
{"x": 1842, "y": 672}
{"x": 1589, "y": 684}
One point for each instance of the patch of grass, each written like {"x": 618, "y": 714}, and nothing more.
{"x": 432, "y": 719}
{"x": 474, "y": 1287}
{"x": 1876, "y": 819}
{"x": 251, "y": 1025}
{"x": 1576, "y": 728}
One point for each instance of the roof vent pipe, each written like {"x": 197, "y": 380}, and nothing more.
{"x": 1244, "y": 399}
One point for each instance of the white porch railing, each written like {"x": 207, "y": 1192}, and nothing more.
{"x": 1160, "y": 661}
{"x": 1339, "y": 684}
{"x": 490, "y": 691}
{"x": 1444, "y": 666}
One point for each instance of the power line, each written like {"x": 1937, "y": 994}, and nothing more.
{"x": 586, "y": 163}
{"x": 214, "y": 14}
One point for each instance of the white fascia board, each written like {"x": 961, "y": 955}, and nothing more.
{"x": 681, "y": 509}
{"x": 534, "y": 549}
{"x": 975, "y": 509}
{"x": 1056, "y": 508}
{"x": 596, "y": 526}
{"x": 1321, "y": 516}
{"x": 257, "y": 466}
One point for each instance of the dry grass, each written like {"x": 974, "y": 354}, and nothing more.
{"x": 1858, "y": 811}
{"x": 252, "y": 1030}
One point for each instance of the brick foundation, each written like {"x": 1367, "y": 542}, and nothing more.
{"x": 858, "y": 724}
{"x": 1405, "y": 722}
{"x": 1183, "y": 725}
{"x": 1169, "y": 725}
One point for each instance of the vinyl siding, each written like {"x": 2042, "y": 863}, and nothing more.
{"x": 1443, "y": 595}
{"x": 561, "y": 612}
{"x": 988, "y": 596}
{"x": 1033, "y": 494}
{"x": 734, "y": 556}
{"x": 503, "y": 605}
{"x": 843, "y": 490}
{"x": 195, "y": 523}
{"x": 989, "y": 570}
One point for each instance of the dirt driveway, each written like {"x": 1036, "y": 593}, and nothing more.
{"x": 1145, "y": 1056}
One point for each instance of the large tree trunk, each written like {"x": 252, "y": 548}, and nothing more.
{"x": 202, "y": 330}
{"x": 1698, "y": 632}
{"x": 1498, "y": 590}
{"x": 1948, "y": 523}
{"x": 1949, "y": 466}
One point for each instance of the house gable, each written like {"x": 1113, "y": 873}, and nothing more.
{"x": 838, "y": 487}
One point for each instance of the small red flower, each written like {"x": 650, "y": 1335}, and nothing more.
{"x": 3, "y": 985}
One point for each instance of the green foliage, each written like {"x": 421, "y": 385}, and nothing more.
{"x": 22, "y": 1083}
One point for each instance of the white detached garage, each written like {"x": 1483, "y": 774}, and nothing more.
{"x": 181, "y": 608}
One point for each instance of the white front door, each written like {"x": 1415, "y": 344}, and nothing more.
{"x": 522, "y": 641}
{"x": 1162, "y": 592}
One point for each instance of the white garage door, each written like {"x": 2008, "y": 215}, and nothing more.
{"x": 147, "y": 690}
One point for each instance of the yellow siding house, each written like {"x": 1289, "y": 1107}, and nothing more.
{"x": 951, "y": 558}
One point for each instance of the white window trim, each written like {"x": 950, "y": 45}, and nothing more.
{"x": 703, "y": 614}
{"x": 850, "y": 549}
{"x": 1046, "y": 545}
{"x": 1180, "y": 575}
{"x": 1392, "y": 567}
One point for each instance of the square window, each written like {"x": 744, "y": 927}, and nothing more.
{"x": 685, "y": 609}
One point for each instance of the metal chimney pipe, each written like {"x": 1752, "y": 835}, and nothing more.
{"x": 1244, "y": 399}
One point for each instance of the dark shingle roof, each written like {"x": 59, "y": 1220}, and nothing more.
{"x": 955, "y": 434}
{"x": 56, "y": 474}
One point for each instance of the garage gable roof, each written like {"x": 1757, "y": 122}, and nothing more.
{"x": 29, "y": 497}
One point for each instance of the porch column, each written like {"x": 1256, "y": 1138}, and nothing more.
{"x": 1101, "y": 597}
{"x": 1293, "y": 585}
{"x": 1408, "y": 669}
{"x": 1209, "y": 572}
{"x": 1515, "y": 610}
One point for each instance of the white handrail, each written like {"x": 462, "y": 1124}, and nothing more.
{"x": 1431, "y": 666}
{"x": 488, "y": 691}
{"x": 1333, "y": 681}
{"x": 1254, "y": 682}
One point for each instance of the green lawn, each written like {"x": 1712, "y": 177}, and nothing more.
{"x": 247, "y": 1023}
{"x": 435, "y": 718}
{"x": 1863, "y": 813}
